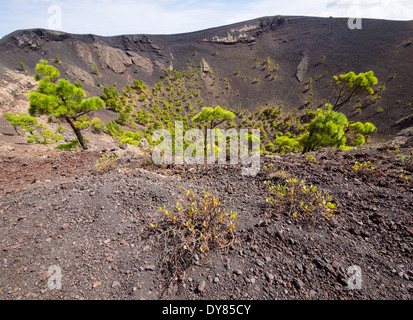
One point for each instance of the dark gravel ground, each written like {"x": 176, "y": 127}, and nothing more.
{"x": 94, "y": 227}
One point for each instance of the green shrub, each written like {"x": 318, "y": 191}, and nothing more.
{"x": 268, "y": 62}
{"x": 332, "y": 129}
{"x": 113, "y": 129}
{"x": 106, "y": 163}
{"x": 363, "y": 168}
{"x": 61, "y": 129}
{"x": 407, "y": 161}
{"x": 61, "y": 100}
{"x": 300, "y": 200}
{"x": 310, "y": 158}
{"x": 351, "y": 85}
{"x": 142, "y": 116}
{"x": 95, "y": 70}
{"x": 71, "y": 146}
{"x": 22, "y": 66}
{"x": 130, "y": 137}
{"x": 38, "y": 132}
{"x": 286, "y": 144}
{"x": 195, "y": 225}
{"x": 84, "y": 123}
{"x": 44, "y": 137}
{"x": 327, "y": 129}
{"x": 270, "y": 147}
{"x": 111, "y": 98}
{"x": 272, "y": 173}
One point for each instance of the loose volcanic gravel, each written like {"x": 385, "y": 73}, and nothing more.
{"x": 93, "y": 229}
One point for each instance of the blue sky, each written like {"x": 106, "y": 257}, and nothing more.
{"x": 113, "y": 17}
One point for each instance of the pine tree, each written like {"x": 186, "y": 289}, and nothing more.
{"x": 22, "y": 122}
{"x": 332, "y": 129}
{"x": 38, "y": 132}
{"x": 327, "y": 129}
{"x": 286, "y": 144}
{"x": 212, "y": 117}
{"x": 111, "y": 98}
{"x": 350, "y": 85}
{"x": 61, "y": 100}
{"x": 357, "y": 132}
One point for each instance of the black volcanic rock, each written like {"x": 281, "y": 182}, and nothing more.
{"x": 330, "y": 48}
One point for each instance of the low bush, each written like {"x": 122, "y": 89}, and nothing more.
{"x": 303, "y": 201}
{"x": 37, "y": 132}
{"x": 286, "y": 144}
{"x": 407, "y": 161}
{"x": 271, "y": 172}
{"x": 196, "y": 225}
{"x": 106, "y": 163}
{"x": 310, "y": 158}
{"x": 71, "y": 146}
{"x": 363, "y": 168}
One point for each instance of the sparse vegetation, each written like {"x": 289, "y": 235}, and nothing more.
{"x": 71, "y": 146}
{"x": 22, "y": 66}
{"x": 407, "y": 161}
{"x": 95, "y": 70}
{"x": 211, "y": 118}
{"x": 196, "y": 225}
{"x": 287, "y": 144}
{"x": 106, "y": 163}
{"x": 289, "y": 221}
{"x": 406, "y": 177}
{"x": 303, "y": 201}
{"x": 310, "y": 158}
{"x": 271, "y": 172}
{"x": 363, "y": 168}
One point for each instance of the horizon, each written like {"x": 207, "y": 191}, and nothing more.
{"x": 193, "y": 31}
{"x": 167, "y": 17}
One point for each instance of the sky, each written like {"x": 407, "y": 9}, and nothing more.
{"x": 115, "y": 17}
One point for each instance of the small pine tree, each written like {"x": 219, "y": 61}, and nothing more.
{"x": 38, "y": 132}
{"x": 111, "y": 98}
{"x": 331, "y": 128}
{"x": 287, "y": 144}
{"x": 327, "y": 129}
{"x": 59, "y": 99}
{"x": 213, "y": 117}
{"x": 357, "y": 132}
{"x": 351, "y": 85}
{"x": 22, "y": 66}
{"x": 268, "y": 62}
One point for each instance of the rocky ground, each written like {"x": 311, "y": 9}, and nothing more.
{"x": 57, "y": 211}
{"x": 58, "y": 214}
